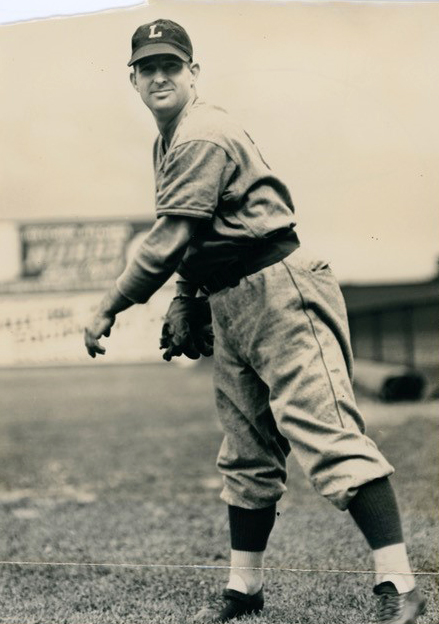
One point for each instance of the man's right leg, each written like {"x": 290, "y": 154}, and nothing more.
{"x": 249, "y": 533}
{"x": 252, "y": 460}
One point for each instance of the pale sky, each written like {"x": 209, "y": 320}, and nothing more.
{"x": 341, "y": 98}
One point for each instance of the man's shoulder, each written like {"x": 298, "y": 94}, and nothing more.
{"x": 201, "y": 110}
{"x": 206, "y": 122}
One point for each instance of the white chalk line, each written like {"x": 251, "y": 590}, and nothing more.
{"x": 197, "y": 566}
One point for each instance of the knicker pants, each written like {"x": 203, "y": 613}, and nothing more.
{"x": 283, "y": 382}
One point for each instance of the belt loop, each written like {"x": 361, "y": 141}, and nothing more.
{"x": 205, "y": 290}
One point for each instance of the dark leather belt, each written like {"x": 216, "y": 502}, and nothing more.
{"x": 260, "y": 257}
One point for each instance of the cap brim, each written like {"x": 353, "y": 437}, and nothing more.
{"x": 152, "y": 49}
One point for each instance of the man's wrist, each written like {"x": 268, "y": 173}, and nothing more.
{"x": 113, "y": 302}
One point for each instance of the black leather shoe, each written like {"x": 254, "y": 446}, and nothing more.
{"x": 236, "y": 604}
{"x": 394, "y": 608}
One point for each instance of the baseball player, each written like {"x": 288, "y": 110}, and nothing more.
{"x": 282, "y": 358}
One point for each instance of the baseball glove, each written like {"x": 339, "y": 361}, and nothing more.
{"x": 187, "y": 328}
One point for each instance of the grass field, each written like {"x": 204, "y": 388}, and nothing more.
{"x": 109, "y": 472}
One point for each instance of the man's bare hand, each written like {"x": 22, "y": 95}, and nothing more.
{"x": 100, "y": 326}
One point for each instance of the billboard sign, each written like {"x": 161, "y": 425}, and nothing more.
{"x": 69, "y": 256}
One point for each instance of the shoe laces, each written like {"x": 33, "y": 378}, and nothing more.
{"x": 389, "y": 607}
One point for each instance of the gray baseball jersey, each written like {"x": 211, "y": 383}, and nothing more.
{"x": 282, "y": 356}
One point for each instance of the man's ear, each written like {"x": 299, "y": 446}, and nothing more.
{"x": 133, "y": 80}
{"x": 195, "y": 70}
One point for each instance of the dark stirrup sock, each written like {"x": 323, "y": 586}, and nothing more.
{"x": 375, "y": 510}
{"x": 251, "y": 528}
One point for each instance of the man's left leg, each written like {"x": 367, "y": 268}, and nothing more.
{"x": 303, "y": 355}
{"x": 375, "y": 510}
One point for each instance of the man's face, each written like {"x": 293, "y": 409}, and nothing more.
{"x": 165, "y": 84}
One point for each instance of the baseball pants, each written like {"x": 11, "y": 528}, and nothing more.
{"x": 283, "y": 383}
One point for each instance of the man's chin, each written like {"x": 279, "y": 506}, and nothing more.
{"x": 164, "y": 111}
{"x": 163, "y": 105}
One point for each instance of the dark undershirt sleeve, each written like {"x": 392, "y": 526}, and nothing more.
{"x": 157, "y": 258}
{"x": 194, "y": 178}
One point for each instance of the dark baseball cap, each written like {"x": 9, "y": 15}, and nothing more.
{"x": 160, "y": 37}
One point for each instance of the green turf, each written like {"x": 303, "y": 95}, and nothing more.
{"x": 116, "y": 466}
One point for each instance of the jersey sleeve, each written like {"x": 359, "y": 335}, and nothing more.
{"x": 193, "y": 179}
{"x": 156, "y": 259}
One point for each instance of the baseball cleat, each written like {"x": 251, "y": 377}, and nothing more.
{"x": 236, "y": 605}
{"x": 394, "y": 608}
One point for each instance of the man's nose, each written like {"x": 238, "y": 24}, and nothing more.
{"x": 160, "y": 76}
